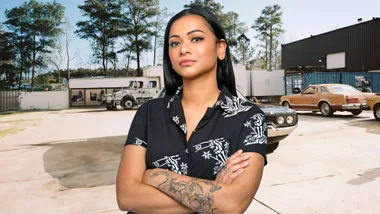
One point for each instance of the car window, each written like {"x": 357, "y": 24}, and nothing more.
{"x": 309, "y": 90}
{"x": 324, "y": 90}
{"x": 342, "y": 88}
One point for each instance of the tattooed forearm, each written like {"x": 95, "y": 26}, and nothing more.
{"x": 189, "y": 193}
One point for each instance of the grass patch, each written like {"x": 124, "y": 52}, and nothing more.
{"x": 9, "y": 131}
{"x": 20, "y": 121}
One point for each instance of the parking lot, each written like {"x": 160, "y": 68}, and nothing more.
{"x": 66, "y": 162}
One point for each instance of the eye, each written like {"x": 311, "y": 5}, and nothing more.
{"x": 197, "y": 39}
{"x": 173, "y": 44}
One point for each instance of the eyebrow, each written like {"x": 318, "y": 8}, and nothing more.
{"x": 188, "y": 33}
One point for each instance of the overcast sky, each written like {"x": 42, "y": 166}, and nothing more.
{"x": 300, "y": 18}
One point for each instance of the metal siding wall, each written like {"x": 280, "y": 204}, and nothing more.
{"x": 360, "y": 42}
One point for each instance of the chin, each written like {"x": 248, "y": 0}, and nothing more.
{"x": 189, "y": 72}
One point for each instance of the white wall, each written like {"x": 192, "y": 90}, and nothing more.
{"x": 241, "y": 79}
{"x": 44, "y": 100}
{"x": 100, "y": 82}
{"x": 267, "y": 83}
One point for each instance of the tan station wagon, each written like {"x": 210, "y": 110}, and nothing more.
{"x": 328, "y": 98}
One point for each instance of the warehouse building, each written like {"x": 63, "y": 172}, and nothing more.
{"x": 334, "y": 57}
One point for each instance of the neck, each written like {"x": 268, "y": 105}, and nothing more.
{"x": 200, "y": 92}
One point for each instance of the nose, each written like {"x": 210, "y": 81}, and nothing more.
{"x": 185, "y": 48}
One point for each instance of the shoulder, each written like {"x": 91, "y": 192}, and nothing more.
{"x": 248, "y": 109}
{"x": 154, "y": 105}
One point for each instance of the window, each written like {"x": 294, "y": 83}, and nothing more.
{"x": 309, "y": 90}
{"x": 324, "y": 90}
{"x": 152, "y": 84}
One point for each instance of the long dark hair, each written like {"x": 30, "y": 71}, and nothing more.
{"x": 225, "y": 72}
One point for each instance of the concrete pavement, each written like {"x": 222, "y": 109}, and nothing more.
{"x": 66, "y": 162}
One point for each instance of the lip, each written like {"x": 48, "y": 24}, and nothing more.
{"x": 186, "y": 62}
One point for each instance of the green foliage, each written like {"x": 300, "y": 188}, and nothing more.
{"x": 269, "y": 28}
{"x": 33, "y": 29}
{"x": 139, "y": 21}
{"x": 230, "y": 22}
{"x": 102, "y": 28}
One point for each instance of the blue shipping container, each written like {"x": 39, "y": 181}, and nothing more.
{"x": 302, "y": 81}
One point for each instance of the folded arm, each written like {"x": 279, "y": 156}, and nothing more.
{"x": 205, "y": 196}
{"x": 133, "y": 195}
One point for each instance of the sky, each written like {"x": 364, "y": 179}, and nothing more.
{"x": 300, "y": 18}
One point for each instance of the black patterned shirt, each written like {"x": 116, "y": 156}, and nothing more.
{"x": 233, "y": 123}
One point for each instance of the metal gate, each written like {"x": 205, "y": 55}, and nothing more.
{"x": 9, "y": 101}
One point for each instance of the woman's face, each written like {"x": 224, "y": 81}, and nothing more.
{"x": 193, "y": 47}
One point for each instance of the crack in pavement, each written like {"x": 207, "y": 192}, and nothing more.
{"x": 311, "y": 179}
{"x": 262, "y": 203}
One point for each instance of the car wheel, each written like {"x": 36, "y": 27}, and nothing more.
{"x": 271, "y": 147}
{"x": 127, "y": 102}
{"x": 376, "y": 112}
{"x": 356, "y": 112}
{"x": 286, "y": 104}
{"x": 326, "y": 109}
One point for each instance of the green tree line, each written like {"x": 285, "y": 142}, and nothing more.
{"x": 118, "y": 31}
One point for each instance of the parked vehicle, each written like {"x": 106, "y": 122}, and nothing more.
{"x": 281, "y": 121}
{"x": 374, "y": 104}
{"x": 140, "y": 90}
{"x": 327, "y": 99}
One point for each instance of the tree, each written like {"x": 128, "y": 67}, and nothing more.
{"x": 159, "y": 26}
{"x": 244, "y": 49}
{"x": 102, "y": 27}
{"x": 141, "y": 16}
{"x": 34, "y": 27}
{"x": 67, "y": 31}
{"x": 214, "y": 7}
{"x": 129, "y": 53}
{"x": 234, "y": 30}
{"x": 229, "y": 21}
{"x": 269, "y": 28}
{"x": 6, "y": 67}
{"x": 56, "y": 59}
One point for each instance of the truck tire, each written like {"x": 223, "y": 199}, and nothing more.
{"x": 128, "y": 102}
{"x": 110, "y": 106}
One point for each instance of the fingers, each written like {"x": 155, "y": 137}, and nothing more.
{"x": 233, "y": 171}
{"x": 236, "y": 160}
{"x": 234, "y": 175}
{"x": 220, "y": 175}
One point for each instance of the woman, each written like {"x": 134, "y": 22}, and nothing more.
{"x": 175, "y": 157}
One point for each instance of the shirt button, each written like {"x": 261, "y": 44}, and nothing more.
{"x": 187, "y": 151}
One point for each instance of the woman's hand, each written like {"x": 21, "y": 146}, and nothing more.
{"x": 233, "y": 167}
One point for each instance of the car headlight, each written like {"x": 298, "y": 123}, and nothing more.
{"x": 289, "y": 120}
{"x": 280, "y": 120}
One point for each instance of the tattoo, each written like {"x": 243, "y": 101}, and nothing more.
{"x": 189, "y": 193}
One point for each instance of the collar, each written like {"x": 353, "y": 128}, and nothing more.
{"x": 229, "y": 104}
{"x": 225, "y": 98}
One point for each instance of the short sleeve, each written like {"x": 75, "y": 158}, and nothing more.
{"x": 254, "y": 133}
{"x": 137, "y": 134}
